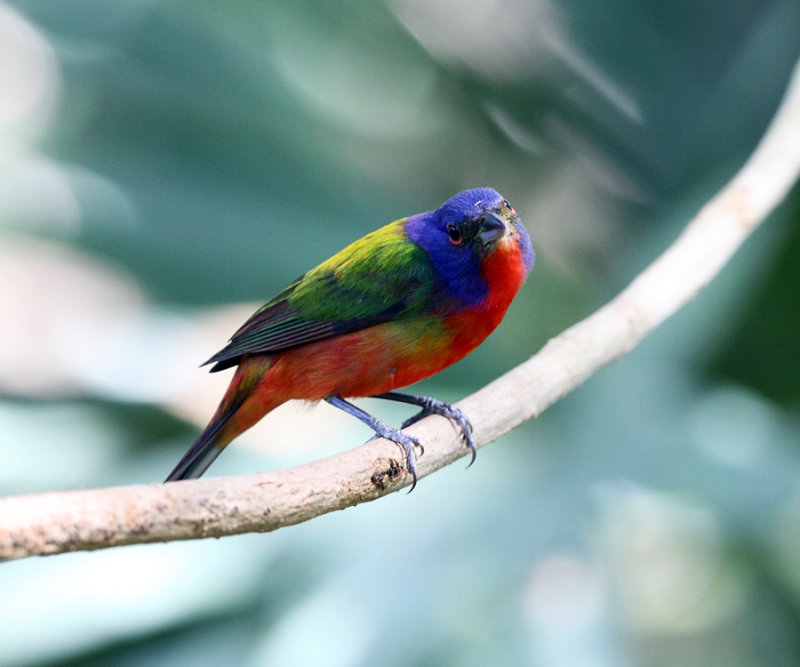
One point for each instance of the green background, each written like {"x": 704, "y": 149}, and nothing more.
{"x": 203, "y": 153}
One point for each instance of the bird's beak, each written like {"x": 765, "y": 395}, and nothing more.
{"x": 492, "y": 227}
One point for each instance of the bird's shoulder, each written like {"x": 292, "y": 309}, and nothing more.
{"x": 377, "y": 271}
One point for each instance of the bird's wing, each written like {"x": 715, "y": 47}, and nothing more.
{"x": 375, "y": 279}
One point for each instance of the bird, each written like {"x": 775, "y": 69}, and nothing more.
{"x": 392, "y": 308}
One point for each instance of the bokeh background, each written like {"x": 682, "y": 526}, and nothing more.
{"x": 166, "y": 166}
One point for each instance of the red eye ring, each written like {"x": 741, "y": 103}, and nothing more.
{"x": 509, "y": 207}
{"x": 454, "y": 232}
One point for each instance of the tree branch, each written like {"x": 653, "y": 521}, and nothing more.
{"x": 93, "y": 519}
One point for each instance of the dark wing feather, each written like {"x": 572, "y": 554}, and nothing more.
{"x": 276, "y": 327}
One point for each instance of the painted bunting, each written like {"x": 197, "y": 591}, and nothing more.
{"x": 390, "y": 309}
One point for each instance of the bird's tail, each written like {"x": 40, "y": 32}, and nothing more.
{"x": 202, "y": 453}
{"x": 226, "y": 424}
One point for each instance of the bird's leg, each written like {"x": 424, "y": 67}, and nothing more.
{"x": 383, "y": 430}
{"x": 433, "y": 406}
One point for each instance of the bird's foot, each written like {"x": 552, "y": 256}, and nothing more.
{"x": 383, "y": 430}
{"x": 407, "y": 442}
{"x": 433, "y": 406}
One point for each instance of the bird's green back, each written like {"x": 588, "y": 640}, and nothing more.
{"x": 371, "y": 275}
{"x": 379, "y": 277}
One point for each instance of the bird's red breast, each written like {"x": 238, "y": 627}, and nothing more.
{"x": 504, "y": 272}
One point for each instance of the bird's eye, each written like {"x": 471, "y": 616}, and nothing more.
{"x": 509, "y": 207}
{"x": 454, "y": 232}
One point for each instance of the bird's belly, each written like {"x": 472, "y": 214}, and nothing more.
{"x": 373, "y": 360}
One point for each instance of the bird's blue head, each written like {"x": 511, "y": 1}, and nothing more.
{"x": 464, "y": 231}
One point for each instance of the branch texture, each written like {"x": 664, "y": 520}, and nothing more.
{"x": 93, "y": 519}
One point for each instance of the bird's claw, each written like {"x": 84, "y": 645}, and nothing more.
{"x": 434, "y": 406}
{"x": 408, "y": 443}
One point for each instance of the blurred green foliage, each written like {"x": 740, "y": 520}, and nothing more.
{"x": 218, "y": 150}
